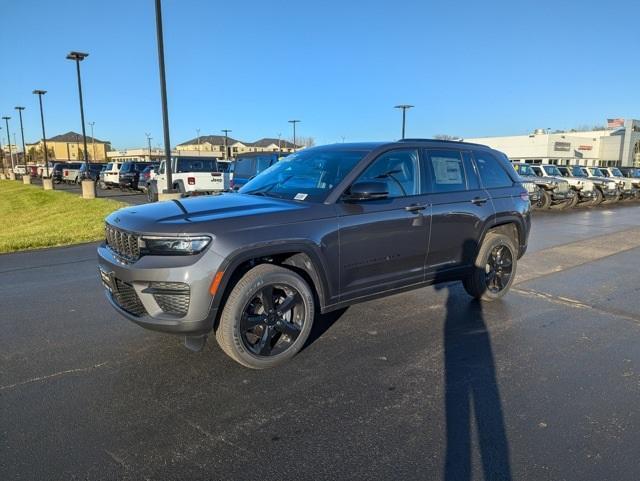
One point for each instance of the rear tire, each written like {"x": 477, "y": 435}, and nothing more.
{"x": 255, "y": 333}
{"x": 598, "y": 198}
{"x": 494, "y": 269}
{"x": 573, "y": 202}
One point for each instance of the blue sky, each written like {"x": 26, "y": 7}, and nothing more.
{"x": 471, "y": 68}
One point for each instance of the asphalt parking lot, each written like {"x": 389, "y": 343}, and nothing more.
{"x": 423, "y": 385}
{"x": 130, "y": 197}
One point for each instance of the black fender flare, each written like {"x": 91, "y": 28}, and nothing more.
{"x": 304, "y": 257}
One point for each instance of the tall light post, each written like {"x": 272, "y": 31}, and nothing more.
{"x": 198, "y": 132}
{"x": 279, "y": 147}
{"x": 79, "y": 57}
{"x": 24, "y": 152}
{"x": 226, "y": 143}
{"x": 93, "y": 140}
{"x": 149, "y": 143}
{"x": 6, "y": 119}
{"x": 40, "y": 93}
{"x": 404, "y": 108}
{"x": 163, "y": 94}
{"x": 294, "y": 122}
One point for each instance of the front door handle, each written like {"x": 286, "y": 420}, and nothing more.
{"x": 479, "y": 200}
{"x": 415, "y": 208}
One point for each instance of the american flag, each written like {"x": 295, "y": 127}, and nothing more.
{"x": 613, "y": 123}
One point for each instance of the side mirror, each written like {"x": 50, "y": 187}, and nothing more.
{"x": 369, "y": 190}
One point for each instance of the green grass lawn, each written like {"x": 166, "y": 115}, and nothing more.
{"x": 32, "y": 218}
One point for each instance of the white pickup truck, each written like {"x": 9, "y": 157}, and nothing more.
{"x": 191, "y": 175}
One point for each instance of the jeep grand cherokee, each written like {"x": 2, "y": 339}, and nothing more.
{"x": 322, "y": 229}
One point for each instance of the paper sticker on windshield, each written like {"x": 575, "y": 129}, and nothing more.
{"x": 300, "y": 197}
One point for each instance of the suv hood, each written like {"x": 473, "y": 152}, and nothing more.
{"x": 207, "y": 214}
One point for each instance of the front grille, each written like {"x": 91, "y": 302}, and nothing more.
{"x": 122, "y": 243}
{"x": 126, "y": 297}
{"x": 172, "y": 297}
{"x": 530, "y": 186}
{"x": 563, "y": 186}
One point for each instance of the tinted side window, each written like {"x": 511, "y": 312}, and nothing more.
{"x": 243, "y": 167}
{"x": 263, "y": 162}
{"x": 446, "y": 171}
{"x": 473, "y": 179}
{"x": 399, "y": 169}
{"x": 490, "y": 170}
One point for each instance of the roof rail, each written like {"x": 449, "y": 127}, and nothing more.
{"x": 459, "y": 141}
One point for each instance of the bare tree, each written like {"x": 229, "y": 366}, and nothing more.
{"x": 305, "y": 141}
{"x": 446, "y": 137}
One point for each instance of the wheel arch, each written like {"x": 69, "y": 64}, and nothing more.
{"x": 299, "y": 257}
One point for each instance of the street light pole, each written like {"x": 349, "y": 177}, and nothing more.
{"x": 6, "y": 119}
{"x": 279, "y": 147}
{"x": 163, "y": 94}
{"x": 294, "y": 122}
{"x": 79, "y": 57}
{"x": 24, "y": 152}
{"x": 226, "y": 143}
{"x": 93, "y": 140}
{"x": 40, "y": 93}
{"x": 404, "y": 108}
{"x": 149, "y": 144}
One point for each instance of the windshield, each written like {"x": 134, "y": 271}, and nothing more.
{"x": 537, "y": 171}
{"x": 552, "y": 170}
{"x": 564, "y": 171}
{"x": 597, "y": 173}
{"x": 616, "y": 172}
{"x": 578, "y": 172}
{"x": 308, "y": 175}
{"x": 524, "y": 169}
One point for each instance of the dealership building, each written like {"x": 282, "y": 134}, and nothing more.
{"x": 618, "y": 145}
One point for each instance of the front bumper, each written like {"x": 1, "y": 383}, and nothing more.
{"x": 587, "y": 195}
{"x": 562, "y": 196}
{"x": 195, "y": 271}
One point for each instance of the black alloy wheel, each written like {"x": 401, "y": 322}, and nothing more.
{"x": 272, "y": 320}
{"x": 499, "y": 268}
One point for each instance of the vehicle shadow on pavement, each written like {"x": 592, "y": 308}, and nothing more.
{"x": 471, "y": 391}
{"x": 322, "y": 324}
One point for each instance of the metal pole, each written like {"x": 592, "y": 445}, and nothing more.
{"x": 404, "y": 108}
{"x": 226, "y": 143}
{"x": 24, "y": 151}
{"x": 294, "y": 122}
{"x": 93, "y": 140}
{"x": 163, "y": 93}
{"x": 149, "y": 144}
{"x": 198, "y": 132}
{"x": 40, "y": 93}
{"x": 6, "y": 119}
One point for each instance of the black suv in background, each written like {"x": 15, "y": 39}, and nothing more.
{"x": 321, "y": 229}
{"x": 93, "y": 173}
{"x": 129, "y": 174}
{"x": 56, "y": 172}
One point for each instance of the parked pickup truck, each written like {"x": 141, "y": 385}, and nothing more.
{"x": 71, "y": 172}
{"x": 191, "y": 175}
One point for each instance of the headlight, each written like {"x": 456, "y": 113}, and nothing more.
{"x": 173, "y": 246}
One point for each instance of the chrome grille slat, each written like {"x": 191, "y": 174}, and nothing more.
{"x": 124, "y": 244}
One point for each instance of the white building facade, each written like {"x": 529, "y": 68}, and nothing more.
{"x": 613, "y": 147}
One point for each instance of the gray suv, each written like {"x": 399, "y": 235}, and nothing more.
{"x": 322, "y": 229}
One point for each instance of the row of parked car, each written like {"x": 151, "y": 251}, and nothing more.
{"x": 564, "y": 187}
{"x": 190, "y": 175}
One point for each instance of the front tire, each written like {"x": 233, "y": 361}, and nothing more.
{"x": 494, "y": 269}
{"x": 267, "y": 317}
{"x": 544, "y": 202}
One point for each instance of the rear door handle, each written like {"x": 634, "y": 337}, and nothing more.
{"x": 415, "y": 208}
{"x": 479, "y": 200}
